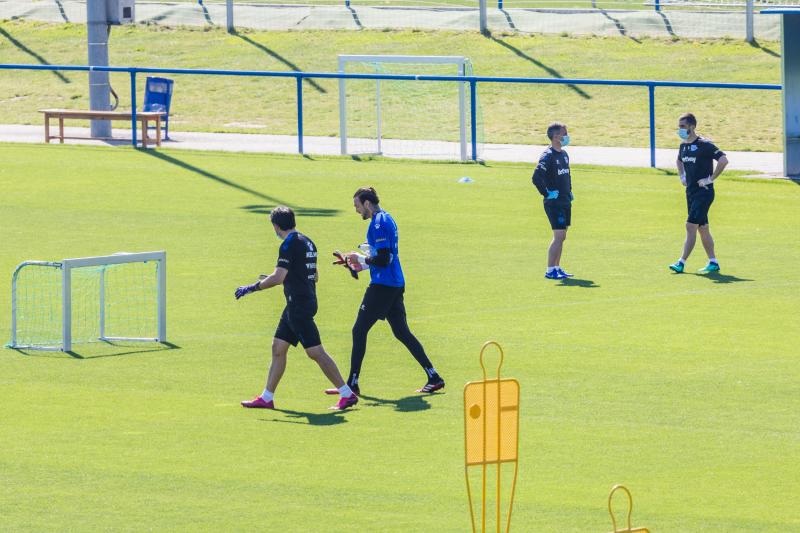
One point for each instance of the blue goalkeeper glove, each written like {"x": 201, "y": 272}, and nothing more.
{"x": 551, "y": 195}
{"x": 246, "y": 289}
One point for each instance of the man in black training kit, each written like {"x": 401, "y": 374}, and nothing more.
{"x": 696, "y": 157}
{"x": 384, "y": 296}
{"x": 552, "y": 179}
{"x": 297, "y": 271}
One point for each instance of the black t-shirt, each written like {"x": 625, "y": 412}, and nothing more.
{"x": 298, "y": 255}
{"x": 552, "y": 173}
{"x": 697, "y": 161}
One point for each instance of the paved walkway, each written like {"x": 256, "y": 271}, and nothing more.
{"x": 767, "y": 164}
{"x": 302, "y": 15}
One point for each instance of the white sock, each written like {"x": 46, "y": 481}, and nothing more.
{"x": 712, "y": 259}
{"x": 345, "y": 391}
{"x": 681, "y": 261}
{"x": 266, "y": 395}
{"x": 550, "y": 269}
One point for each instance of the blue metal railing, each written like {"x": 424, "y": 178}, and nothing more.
{"x": 472, "y": 80}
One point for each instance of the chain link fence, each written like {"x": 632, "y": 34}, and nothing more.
{"x": 634, "y": 19}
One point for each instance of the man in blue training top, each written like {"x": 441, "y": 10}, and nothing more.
{"x": 383, "y": 299}
{"x": 696, "y": 156}
{"x": 297, "y": 271}
{"x": 552, "y": 179}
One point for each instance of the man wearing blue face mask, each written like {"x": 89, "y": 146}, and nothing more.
{"x": 696, "y": 157}
{"x": 552, "y": 179}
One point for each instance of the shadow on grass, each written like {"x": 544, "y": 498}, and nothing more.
{"x": 259, "y": 208}
{"x": 718, "y": 277}
{"x": 128, "y": 350}
{"x": 37, "y": 57}
{"x": 550, "y": 70}
{"x": 331, "y": 418}
{"x": 307, "y": 211}
{"x": 756, "y": 44}
{"x": 577, "y": 282}
{"x": 408, "y": 404}
{"x": 275, "y": 55}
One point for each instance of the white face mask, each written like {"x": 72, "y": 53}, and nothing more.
{"x": 278, "y": 235}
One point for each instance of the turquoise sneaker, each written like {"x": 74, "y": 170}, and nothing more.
{"x": 710, "y": 267}
{"x": 677, "y": 266}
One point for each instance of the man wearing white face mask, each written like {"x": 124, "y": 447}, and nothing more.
{"x": 552, "y": 179}
{"x": 696, "y": 157}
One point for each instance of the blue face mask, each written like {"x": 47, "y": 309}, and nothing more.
{"x": 683, "y": 133}
{"x": 565, "y": 140}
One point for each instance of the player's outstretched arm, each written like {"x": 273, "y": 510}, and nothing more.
{"x": 264, "y": 282}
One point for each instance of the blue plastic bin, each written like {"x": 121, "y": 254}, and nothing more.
{"x": 157, "y": 97}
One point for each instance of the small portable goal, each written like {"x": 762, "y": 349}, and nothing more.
{"x": 119, "y": 297}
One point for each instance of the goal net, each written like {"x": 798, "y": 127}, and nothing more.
{"x": 120, "y": 297}
{"x": 407, "y": 118}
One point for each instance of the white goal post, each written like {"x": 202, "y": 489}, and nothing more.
{"x": 462, "y": 67}
{"x": 119, "y": 297}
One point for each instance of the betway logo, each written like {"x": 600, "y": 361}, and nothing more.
{"x": 689, "y": 159}
{"x": 563, "y": 171}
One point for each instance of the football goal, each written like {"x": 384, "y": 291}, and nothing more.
{"x": 405, "y": 118}
{"x": 119, "y": 297}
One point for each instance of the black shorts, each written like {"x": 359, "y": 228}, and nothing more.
{"x": 559, "y": 215}
{"x": 297, "y": 325}
{"x": 698, "y": 204}
{"x": 381, "y": 302}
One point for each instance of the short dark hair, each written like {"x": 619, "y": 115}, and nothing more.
{"x": 554, "y": 128}
{"x": 283, "y": 217}
{"x": 367, "y": 193}
{"x": 689, "y": 118}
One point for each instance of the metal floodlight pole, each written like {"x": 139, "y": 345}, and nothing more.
{"x": 749, "y": 35}
{"x": 229, "y": 16}
{"x": 99, "y": 87}
{"x": 790, "y": 28}
{"x": 482, "y": 17}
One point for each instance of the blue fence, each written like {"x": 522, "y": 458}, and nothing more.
{"x": 472, "y": 80}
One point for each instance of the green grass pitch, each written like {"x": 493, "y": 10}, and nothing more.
{"x": 682, "y": 387}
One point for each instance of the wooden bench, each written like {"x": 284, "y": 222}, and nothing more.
{"x": 144, "y": 117}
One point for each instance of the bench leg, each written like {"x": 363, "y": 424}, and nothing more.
{"x": 47, "y": 129}
{"x": 61, "y": 130}
{"x": 145, "y": 137}
{"x": 158, "y": 131}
